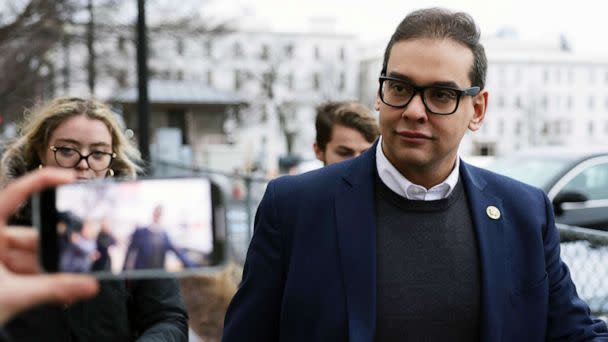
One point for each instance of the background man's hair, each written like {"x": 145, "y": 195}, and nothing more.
{"x": 346, "y": 113}
{"x": 438, "y": 23}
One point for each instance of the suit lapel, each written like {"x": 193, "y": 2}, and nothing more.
{"x": 492, "y": 253}
{"x": 356, "y": 228}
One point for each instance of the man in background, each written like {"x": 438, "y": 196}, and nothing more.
{"x": 150, "y": 244}
{"x": 344, "y": 130}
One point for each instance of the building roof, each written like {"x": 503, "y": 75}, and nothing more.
{"x": 180, "y": 92}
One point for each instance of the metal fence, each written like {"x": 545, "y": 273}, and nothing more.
{"x": 585, "y": 251}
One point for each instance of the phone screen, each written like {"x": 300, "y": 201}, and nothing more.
{"x": 133, "y": 227}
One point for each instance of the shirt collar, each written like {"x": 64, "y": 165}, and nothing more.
{"x": 395, "y": 181}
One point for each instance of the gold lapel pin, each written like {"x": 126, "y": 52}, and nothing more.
{"x": 493, "y": 212}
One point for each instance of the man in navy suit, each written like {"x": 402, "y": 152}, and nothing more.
{"x": 149, "y": 246}
{"x": 407, "y": 242}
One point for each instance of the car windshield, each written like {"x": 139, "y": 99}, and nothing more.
{"x": 529, "y": 169}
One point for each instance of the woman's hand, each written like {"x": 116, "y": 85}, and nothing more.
{"x": 21, "y": 285}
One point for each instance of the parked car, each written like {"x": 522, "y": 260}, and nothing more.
{"x": 574, "y": 179}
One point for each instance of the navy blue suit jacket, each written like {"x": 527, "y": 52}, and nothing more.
{"x": 143, "y": 250}
{"x": 310, "y": 273}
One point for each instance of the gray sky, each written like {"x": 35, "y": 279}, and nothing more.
{"x": 581, "y": 21}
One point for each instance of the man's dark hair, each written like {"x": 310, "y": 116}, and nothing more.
{"x": 438, "y": 23}
{"x": 348, "y": 114}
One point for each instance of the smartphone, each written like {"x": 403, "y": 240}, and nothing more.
{"x": 133, "y": 229}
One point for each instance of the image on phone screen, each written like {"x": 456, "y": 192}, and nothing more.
{"x": 134, "y": 226}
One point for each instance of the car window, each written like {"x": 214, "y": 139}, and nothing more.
{"x": 592, "y": 182}
{"x": 530, "y": 170}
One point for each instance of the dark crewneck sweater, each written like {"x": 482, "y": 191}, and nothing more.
{"x": 428, "y": 286}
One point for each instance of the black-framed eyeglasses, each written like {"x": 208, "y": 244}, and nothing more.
{"x": 440, "y": 100}
{"x": 68, "y": 157}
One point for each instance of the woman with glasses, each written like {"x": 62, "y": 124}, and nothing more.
{"x": 86, "y": 136}
{"x": 70, "y": 133}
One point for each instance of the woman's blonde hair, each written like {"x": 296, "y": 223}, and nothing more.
{"x": 40, "y": 123}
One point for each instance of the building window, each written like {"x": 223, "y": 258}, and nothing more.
{"x": 317, "y": 53}
{"x": 289, "y": 50}
{"x": 290, "y": 81}
{"x": 316, "y": 81}
{"x": 176, "y": 118}
{"x": 590, "y": 127}
{"x": 263, "y": 114}
{"x": 208, "y": 48}
{"x": 121, "y": 78}
{"x": 238, "y": 50}
{"x": 557, "y": 127}
{"x": 342, "y": 54}
{"x": 265, "y": 54}
{"x": 544, "y": 128}
{"x": 570, "y": 102}
{"x": 342, "y": 82}
{"x": 544, "y": 103}
{"x": 546, "y": 76}
{"x": 153, "y": 49}
{"x": 570, "y": 75}
{"x": 501, "y": 127}
{"x": 518, "y": 128}
{"x": 237, "y": 80}
{"x": 121, "y": 43}
{"x": 518, "y": 103}
{"x": 268, "y": 79}
{"x": 591, "y": 103}
{"x": 210, "y": 78}
{"x": 484, "y": 149}
{"x": 180, "y": 75}
{"x": 180, "y": 47}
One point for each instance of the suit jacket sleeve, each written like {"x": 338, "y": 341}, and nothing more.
{"x": 569, "y": 317}
{"x": 253, "y": 314}
{"x": 130, "y": 255}
{"x": 178, "y": 252}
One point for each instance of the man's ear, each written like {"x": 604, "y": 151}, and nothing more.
{"x": 377, "y": 103}
{"x": 319, "y": 152}
{"x": 480, "y": 105}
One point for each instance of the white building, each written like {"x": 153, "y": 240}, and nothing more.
{"x": 286, "y": 72}
{"x": 541, "y": 93}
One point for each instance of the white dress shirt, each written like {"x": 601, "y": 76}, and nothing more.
{"x": 395, "y": 181}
